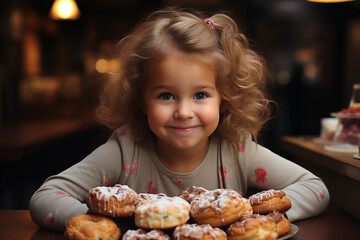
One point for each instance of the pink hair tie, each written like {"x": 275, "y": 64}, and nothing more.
{"x": 210, "y": 23}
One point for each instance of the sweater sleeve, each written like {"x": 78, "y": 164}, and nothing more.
{"x": 62, "y": 196}
{"x": 267, "y": 170}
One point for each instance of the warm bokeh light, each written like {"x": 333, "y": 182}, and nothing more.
{"x": 113, "y": 66}
{"x": 101, "y": 65}
{"x": 64, "y": 10}
{"x": 311, "y": 70}
{"x": 31, "y": 54}
{"x": 107, "y": 66}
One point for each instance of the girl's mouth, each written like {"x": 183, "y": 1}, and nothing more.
{"x": 184, "y": 129}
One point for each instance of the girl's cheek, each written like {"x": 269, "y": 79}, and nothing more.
{"x": 210, "y": 115}
{"x": 159, "y": 116}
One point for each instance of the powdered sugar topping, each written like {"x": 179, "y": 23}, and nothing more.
{"x": 195, "y": 231}
{"x": 142, "y": 234}
{"x": 264, "y": 196}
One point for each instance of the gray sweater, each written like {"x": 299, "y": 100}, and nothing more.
{"x": 121, "y": 160}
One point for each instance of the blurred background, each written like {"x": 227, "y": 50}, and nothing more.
{"x": 51, "y": 71}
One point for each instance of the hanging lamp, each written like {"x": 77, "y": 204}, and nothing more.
{"x": 64, "y": 10}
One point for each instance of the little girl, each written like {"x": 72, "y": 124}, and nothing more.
{"x": 185, "y": 106}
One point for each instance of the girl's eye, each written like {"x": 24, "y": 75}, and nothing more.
{"x": 166, "y": 96}
{"x": 200, "y": 95}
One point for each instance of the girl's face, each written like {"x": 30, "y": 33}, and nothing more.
{"x": 182, "y": 103}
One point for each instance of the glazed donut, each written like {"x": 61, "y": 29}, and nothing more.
{"x": 282, "y": 223}
{"x": 150, "y": 196}
{"x": 191, "y": 192}
{"x": 140, "y": 234}
{"x": 253, "y": 227}
{"x": 91, "y": 227}
{"x": 198, "y": 232}
{"x": 270, "y": 200}
{"x": 248, "y": 207}
{"x": 117, "y": 201}
{"x": 218, "y": 207}
{"x": 163, "y": 213}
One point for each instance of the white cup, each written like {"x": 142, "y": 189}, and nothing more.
{"x": 328, "y": 128}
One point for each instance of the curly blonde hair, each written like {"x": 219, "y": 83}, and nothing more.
{"x": 240, "y": 72}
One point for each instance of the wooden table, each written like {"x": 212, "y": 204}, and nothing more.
{"x": 333, "y": 224}
{"x": 314, "y": 151}
{"x": 340, "y": 171}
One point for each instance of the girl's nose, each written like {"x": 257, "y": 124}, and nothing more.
{"x": 184, "y": 110}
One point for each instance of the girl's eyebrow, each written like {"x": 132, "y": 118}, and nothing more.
{"x": 157, "y": 87}
{"x": 200, "y": 87}
{"x": 206, "y": 87}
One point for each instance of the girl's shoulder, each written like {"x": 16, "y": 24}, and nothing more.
{"x": 244, "y": 152}
{"x": 123, "y": 133}
{"x": 226, "y": 146}
{"x": 121, "y": 138}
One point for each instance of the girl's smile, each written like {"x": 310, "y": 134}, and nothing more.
{"x": 184, "y": 130}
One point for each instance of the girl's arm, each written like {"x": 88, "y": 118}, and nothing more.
{"x": 62, "y": 196}
{"x": 267, "y": 170}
